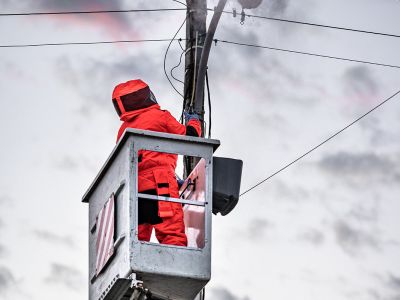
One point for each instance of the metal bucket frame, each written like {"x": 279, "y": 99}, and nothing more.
{"x": 170, "y": 272}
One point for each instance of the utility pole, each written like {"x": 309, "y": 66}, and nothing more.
{"x": 198, "y": 45}
{"x": 196, "y": 17}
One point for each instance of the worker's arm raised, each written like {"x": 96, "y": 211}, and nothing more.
{"x": 193, "y": 127}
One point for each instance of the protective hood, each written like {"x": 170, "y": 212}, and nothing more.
{"x": 131, "y": 96}
{"x": 130, "y": 115}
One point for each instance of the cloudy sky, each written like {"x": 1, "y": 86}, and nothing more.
{"x": 326, "y": 228}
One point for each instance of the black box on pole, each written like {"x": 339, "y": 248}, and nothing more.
{"x": 227, "y": 174}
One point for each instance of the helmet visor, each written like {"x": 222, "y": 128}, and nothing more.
{"x": 139, "y": 99}
{"x": 116, "y": 106}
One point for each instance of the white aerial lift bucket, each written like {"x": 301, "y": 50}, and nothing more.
{"x": 120, "y": 265}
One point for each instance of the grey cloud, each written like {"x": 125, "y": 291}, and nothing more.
{"x": 4, "y": 199}
{"x": 67, "y": 72}
{"x": 144, "y": 64}
{"x": 108, "y": 22}
{"x": 390, "y": 290}
{"x": 354, "y": 163}
{"x": 221, "y": 293}
{"x": 232, "y": 34}
{"x": 360, "y": 81}
{"x": 8, "y": 4}
{"x": 67, "y": 163}
{"x": 362, "y": 166}
{"x": 366, "y": 211}
{"x": 370, "y": 294}
{"x": 104, "y": 75}
{"x": 286, "y": 9}
{"x": 258, "y": 228}
{"x": 2, "y": 250}
{"x": 277, "y": 7}
{"x": 274, "y": 121}
{"x": 76, "y": 4}
{"x": 291, "y": 193}
{"x": 374, "y": 294}
{"x": 72, "y": 164}
{"x": 312, "y": 236}
{"x": 67, "y": 276}
{"x": 269, "y": 73}
{"x": 378, "y": 136}
{"x": 5, "y": 202}
{"x": 12, "y": 70}
{"x": 7, "y": 280}
{"x": 54, "y": 238}
{"x": 271, "y": 8}
{"x": 352, "y": 240}
{"x": 394, "y": 282}
{"x": 157, "y": 3}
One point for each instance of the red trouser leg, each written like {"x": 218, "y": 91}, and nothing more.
{"x": 172, "y": 230}
{"x": 144, "y": 232}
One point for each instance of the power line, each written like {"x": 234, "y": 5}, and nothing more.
{"x": 314, "y": 24}
{"x": 320, "y": 144}
{"x": 165, "y": 56}
{"x": 87, "y": 43}
{"x": 216, "y": 40}
{"x": 209, "y": 9}
{"x": 308, "y": 53}
{"x": 180, "y": 2}
{"x": 180, "y": 45}
{"x": 171, "y": 72}
{"x": 209, "y": 105}
{"x": 91, "y": 12}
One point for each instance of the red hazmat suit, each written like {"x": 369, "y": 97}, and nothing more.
{"x": 138, "y": 108}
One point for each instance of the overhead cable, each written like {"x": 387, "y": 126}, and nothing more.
{"x": 180, "y": 2}
{"x": 91, "y": 12}
{"x": 209, "y": 9}
{"x": 215, "y": 40}
{"x": 308, "y": 53}
{"x": 209, "y": 105}
{"x": 87, "y": 43}
{"x": 314, "y": 24}
{"x": 171, "y": 72}
{"x": 166, "y": 53}
{"x": 320, "y": 144}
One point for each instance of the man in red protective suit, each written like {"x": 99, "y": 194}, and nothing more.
{"x": 137, "y": 108}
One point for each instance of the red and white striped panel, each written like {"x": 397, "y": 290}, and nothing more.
{"x": 105, "y": 234}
